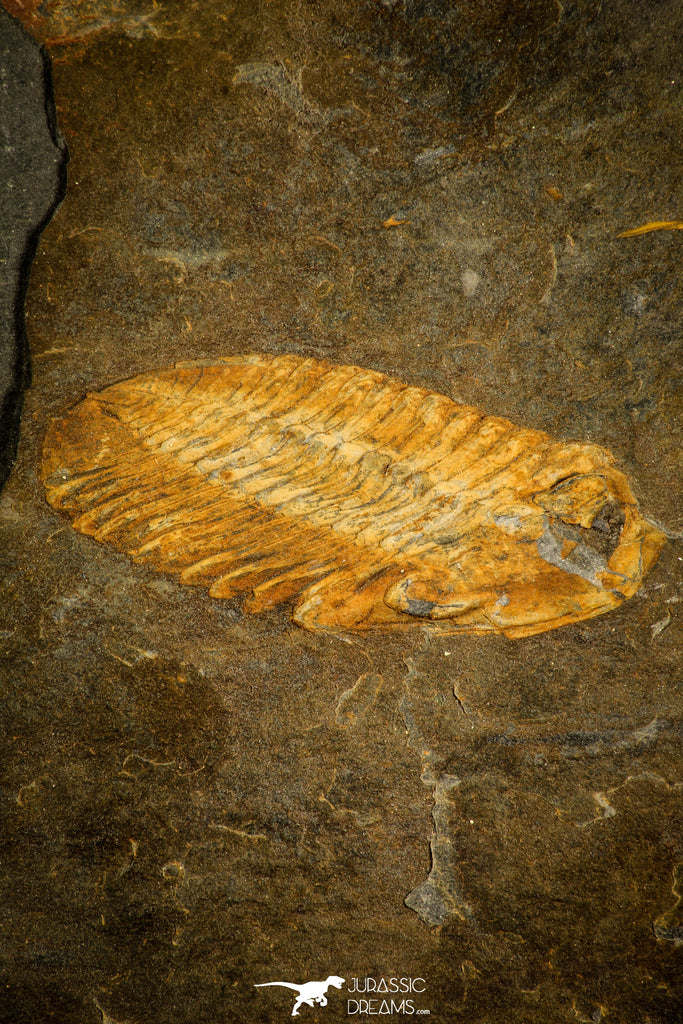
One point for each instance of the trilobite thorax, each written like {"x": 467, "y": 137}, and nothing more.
{"x": 371, "y": 504}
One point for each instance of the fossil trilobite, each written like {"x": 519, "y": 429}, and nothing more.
{"x": 372, "y": 504}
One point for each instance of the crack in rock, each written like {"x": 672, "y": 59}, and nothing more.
{"x": 438, "y": 897}
{"x": 355, "y": 702}
{"x": 669, "y": 925}
{"x": 286, "y": 86}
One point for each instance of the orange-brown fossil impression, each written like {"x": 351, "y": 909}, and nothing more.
{"x": 371, "y": 504}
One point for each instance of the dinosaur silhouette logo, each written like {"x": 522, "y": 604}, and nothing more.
{"x": 311, "y": 993}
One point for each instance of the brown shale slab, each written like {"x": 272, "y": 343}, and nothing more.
{"x": 198, "y": 796}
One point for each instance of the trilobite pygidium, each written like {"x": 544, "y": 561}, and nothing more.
{"x": 371, "y": 504}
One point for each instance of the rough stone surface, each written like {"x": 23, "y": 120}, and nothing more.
{"x": 196, "y": 801}
{"x": 32, "y": 160}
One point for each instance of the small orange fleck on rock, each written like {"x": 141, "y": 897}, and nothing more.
{"x": 554, "y": 193}
{"x": 652, "y": 225}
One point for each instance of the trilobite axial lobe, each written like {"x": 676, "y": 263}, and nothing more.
{"x": 370, "y": 504}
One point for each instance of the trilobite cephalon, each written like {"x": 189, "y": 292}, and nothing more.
{"x": 372, "y": 504}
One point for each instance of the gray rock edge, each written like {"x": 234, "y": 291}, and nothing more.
{"x": 24, "y": 217}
